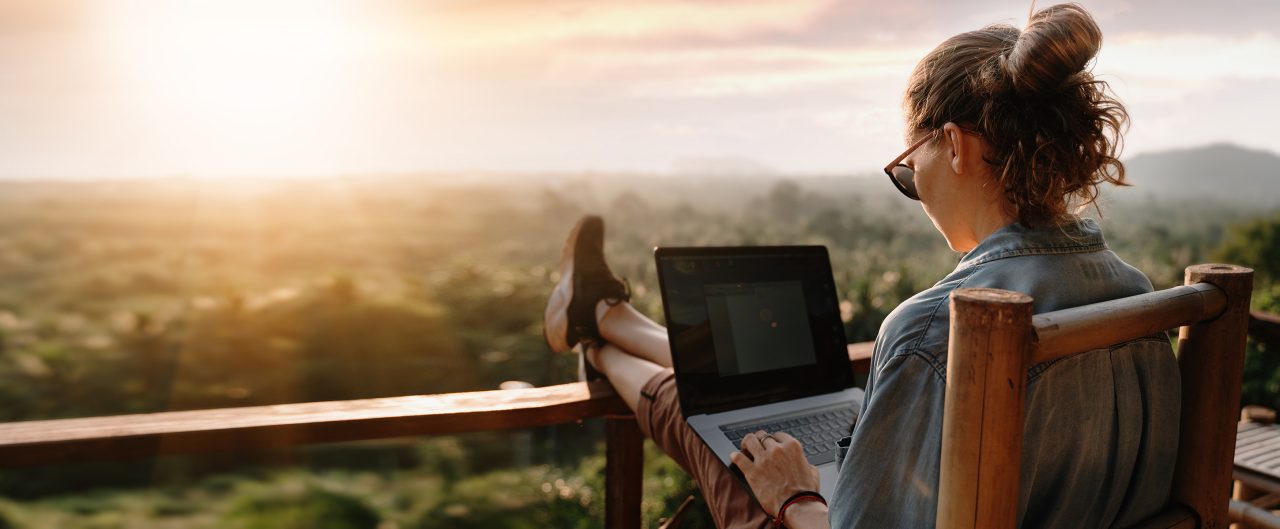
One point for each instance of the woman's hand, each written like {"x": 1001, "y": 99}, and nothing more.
{"x": 775, "y": 468}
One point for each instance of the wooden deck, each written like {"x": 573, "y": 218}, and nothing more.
{"x": 1257, "y": 458}
{"x": 1256, "y": 471}
{"x": 1258, "y": 451}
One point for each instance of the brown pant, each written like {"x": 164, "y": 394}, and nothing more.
{"x": 660, "y": 419}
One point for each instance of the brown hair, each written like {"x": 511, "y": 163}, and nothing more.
{"x": 1054, "y": 132}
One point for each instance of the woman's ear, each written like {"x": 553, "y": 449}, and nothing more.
{"x": 968, "y": 151}
{"x": 961, "y": 152}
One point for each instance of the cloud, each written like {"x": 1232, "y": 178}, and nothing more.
{"x": 1169, "y": 67}
{"x": 166, "y": 86}
{"x": 501, "y": 24}
{"x": 719, "y": 72}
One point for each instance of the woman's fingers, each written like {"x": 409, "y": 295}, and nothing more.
{"x": 769, "y": 441}
{"x": 775, "y": 467}
{"x": 757, "y": 443}
{"x": 753, "y": 443}
{"x": 788, "y": 442}
{"x": 783, "y": 437}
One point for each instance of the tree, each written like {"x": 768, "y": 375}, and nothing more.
{"x": 1255, "y": 244}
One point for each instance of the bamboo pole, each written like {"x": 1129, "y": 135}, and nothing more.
{"x": 1211, "y": 360}
{"x": 1079, "y": 329}
{"x": 982, "y": 423}
{"x": 1252, "y": 516}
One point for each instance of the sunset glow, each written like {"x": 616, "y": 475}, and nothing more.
{"x": 293, "y": 88}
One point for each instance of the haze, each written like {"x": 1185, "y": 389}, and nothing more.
{"x": 155, "y": 88}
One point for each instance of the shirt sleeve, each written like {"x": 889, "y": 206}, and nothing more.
{"x": 889, "y": 478}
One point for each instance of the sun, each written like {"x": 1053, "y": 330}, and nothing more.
{"x": 255, "y": 82}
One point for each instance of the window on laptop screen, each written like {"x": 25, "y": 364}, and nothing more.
{"x": 759, "y": 326}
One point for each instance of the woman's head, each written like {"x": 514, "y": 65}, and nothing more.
{"x": 1050, "y": 134}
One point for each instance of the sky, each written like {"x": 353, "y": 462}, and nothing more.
{"x": 261, "y": 88}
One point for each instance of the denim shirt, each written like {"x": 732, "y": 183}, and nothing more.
{"x": 1101, "y": 427}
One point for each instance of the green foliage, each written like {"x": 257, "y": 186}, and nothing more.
{"x": 540, "y": 496}
{"x": 1261, "y": 384}
{"x": 166, "y": 506}
{"x": 151, "y": 297}
{"x": 1267, "y": 298}
{"x": 545, "y": 496}
{"x": 444, "y": 457}
{"x": 1255, "y": 244}
{"x": 311, "y": 509}
{"x": 666, "y": 486}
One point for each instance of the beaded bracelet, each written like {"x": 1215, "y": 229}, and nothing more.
{"x": 804, "y": 495}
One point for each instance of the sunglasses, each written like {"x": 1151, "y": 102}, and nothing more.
{"x": 903, "y": 177}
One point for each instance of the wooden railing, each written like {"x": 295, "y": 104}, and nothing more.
{"x": 262, "y": 427}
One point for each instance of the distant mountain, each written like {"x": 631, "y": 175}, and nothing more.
{"x": 1221, "y": 171}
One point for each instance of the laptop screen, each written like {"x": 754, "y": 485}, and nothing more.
{"x": 758, "y": 326}
{"x": 752, "y": 325}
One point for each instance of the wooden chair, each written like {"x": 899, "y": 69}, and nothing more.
{"x": 994, "y": 341}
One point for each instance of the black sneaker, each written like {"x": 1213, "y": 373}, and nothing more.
{"x": 585, "y": 279}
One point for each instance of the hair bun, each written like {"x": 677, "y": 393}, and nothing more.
{"x": 1058, "y": 43}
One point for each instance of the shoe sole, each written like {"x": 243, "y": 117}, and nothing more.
{"x": 555, "y": 321}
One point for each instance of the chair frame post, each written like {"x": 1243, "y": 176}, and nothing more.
{"x": 1211, "y": 361}
{"x": 990, "y": 337}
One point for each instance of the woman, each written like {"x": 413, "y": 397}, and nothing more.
{"x": 1008, "y": 132}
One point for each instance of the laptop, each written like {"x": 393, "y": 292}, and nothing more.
{"x": 757, "y": 344}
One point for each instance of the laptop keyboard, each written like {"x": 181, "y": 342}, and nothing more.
{"x": 817, "y": 432}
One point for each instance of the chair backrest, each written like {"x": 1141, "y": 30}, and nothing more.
{"x": 995, "y": 339}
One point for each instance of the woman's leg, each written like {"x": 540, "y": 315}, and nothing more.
{"x": 650, "y": 391}
{"x": 622, "y": 325}
{"x": 626, "y": 372}
{"x": 637, "y": 349}
{"x": 636, "y": 358}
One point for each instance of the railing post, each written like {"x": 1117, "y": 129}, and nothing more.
{"x": 990, "y": 342}
{"x": 1211, "y": 360}
{"x": 624, "y": 471}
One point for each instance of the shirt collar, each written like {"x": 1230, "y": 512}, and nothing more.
{"x": 1071, "y": 236}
